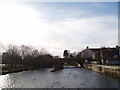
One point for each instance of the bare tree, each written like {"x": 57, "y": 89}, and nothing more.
{"x": 12, "y": 49}
{"x": 104, "y": 54}
{"x": 2, "y": 48}
{"x": 25, "y": 50}
{"x": 11, "y": 56}
{"x": 35, "y": 53}
{"x": 43, "y": 52}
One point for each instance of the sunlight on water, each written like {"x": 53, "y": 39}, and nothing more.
{"x": 4, "y": 81}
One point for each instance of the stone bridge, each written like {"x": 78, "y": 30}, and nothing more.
{"x": 60, "y": 63}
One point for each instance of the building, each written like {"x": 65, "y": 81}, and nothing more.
{"x": 102, "y": 55}
{"x": 89, "y": 53}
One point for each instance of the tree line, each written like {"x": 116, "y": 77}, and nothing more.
{"x": 28, "y": 57}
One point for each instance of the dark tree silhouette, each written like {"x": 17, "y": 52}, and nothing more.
{"x": 66, "y": 54}
{"x": 28, "y": 57}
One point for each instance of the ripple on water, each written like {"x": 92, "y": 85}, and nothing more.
{"x": 66, "y": 78}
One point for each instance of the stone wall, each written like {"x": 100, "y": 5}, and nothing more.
{"x": 107, "y": 70}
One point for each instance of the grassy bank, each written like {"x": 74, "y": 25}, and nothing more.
{"x": 5, "y": 69}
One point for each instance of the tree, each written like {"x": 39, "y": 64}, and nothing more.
{"x": 2, "y": 48}
{"x": 12, "y": 49}
{"x": 66, "y": 54}
{"x": 25, "y": 51}
{"x": 11, "y": 56}
{"x": 43, "y": 52}
{"x": 104, "y": 54}
{"x": 73, "y": 55}
{"x": 79, "y": 55}
{"x": 98, "y": 56}
{"x": 35, "y": 53}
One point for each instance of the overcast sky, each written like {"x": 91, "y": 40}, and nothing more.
{"x": 56, "y": 26}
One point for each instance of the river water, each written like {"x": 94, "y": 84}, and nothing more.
{"x": 65, "y": 78}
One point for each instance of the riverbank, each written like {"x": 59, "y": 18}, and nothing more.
{"x": 6, "y": 69}
{"x": 107, "y": 70}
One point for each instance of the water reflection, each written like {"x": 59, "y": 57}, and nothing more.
{"x": 6, "y": 80}
{"x": 66, "y": 78}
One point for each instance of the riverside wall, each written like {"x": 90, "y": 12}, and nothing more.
{"x": 107, "y": 70}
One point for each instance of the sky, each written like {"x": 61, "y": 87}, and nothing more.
{"x": 57, "y": 26}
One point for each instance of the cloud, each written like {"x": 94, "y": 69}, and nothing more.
{"x": 25, "y": 25}
{"x": 86, "y": 31}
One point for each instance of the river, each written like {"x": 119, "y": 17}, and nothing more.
{"x": 65, "y": 78}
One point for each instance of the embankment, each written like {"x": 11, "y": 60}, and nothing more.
{"x": 107, "y": 70}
